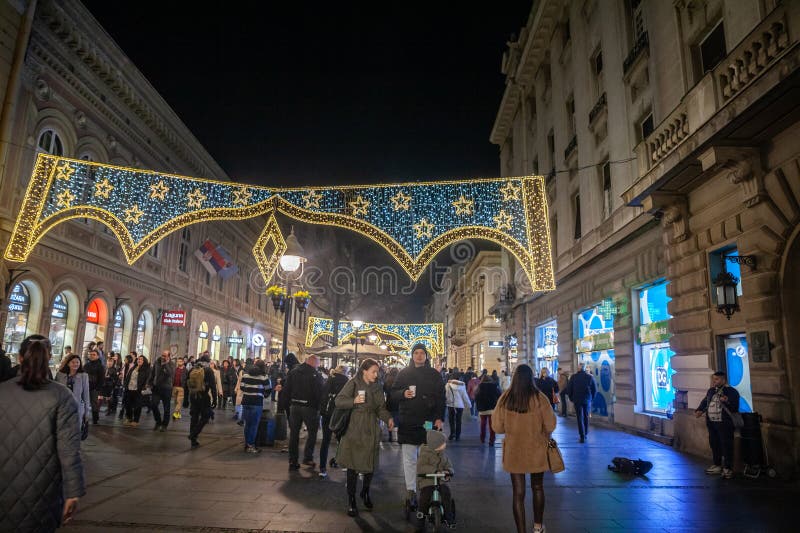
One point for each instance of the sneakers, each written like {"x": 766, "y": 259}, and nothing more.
{"x": 727, "y": 473}
{"x": 240, "y": 423}
{"x": 323, "y": 473}
{"x": 252, "y": 449}
{"x": 714, "y": 470}
{"x": 539, "y": 529}
{"x": 176, "y": 416}
{"x": 162, "y": 429}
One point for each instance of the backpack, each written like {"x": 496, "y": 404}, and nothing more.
{"x": 197, "y": 380}
{"x": 329, "y": 405}
{"x": 630, "y": 467}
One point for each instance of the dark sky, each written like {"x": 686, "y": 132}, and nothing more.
{"x": 298, "y": 93}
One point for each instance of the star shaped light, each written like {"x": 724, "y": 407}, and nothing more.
{"x": 464, "y": 206}
{"x": 424, "y": 229}
{"x": 503, "y": 220}
{"x": 159, "y": 190}
{"x": 65, "y": 171}
{"x": 65, "y": 198}
{"x": 401, "y": 201}
{"x": 360, "y": 206}
{"x": 311, "y": 199}
{"x": 241, "y": 196}
{"x": 133, "y": 214}
{"x": 196, "y": 199}
{"x": 509, "y": 191}
{"x": 103, "y": 188}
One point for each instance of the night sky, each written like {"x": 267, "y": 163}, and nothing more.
{"x": 297, "y": 93}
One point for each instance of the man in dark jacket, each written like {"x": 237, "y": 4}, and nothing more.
{"x": 581, "y": 390}
{"x": 301, "y": 395}
{"x": 161, "y": 382}
{"x": 721, "y": 400}
{"x": 200, "y": 404}
{"x": 97, "y": 374}
{"x": 419, "y": 391}
{"x": 5, "y": 366}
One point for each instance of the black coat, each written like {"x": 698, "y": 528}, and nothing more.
{"x": 732, "y": 405}
{"x": 96, "y": 372}
{"x": 303, "y": 387}
{"x": 141, "y": 377}
{"x": 331, "y": 388}
{"x": 162, "y": 375}
{"x": 487, "y": 395}
{"x": 548, "y": 386}
{"x": 581, "y": 388}
{"x": 427, "y": 406}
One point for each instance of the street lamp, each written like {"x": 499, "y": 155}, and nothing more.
{"x": 356, "y": 329}
{"x": 291, "y": 270}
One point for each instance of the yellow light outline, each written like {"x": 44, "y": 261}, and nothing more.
{"x": 437, "y": 344}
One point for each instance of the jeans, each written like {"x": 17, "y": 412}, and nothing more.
{"x": 298, "y": 414}
{"x": 177, "y": 397}
{"x": 454, "y": 415}
{"x": 161, "y": 396}
{"x": 238, "y": 412}
{"x": 252, "y": 416}
{"x": 563, "y": 403}
{"x": 582, "y": 412}
{"x": 200, "y": 411}
{"x": 326, "y": 442}
{"x": 487, "y": 420}
{"x": 410, "y": 455}
{"x": 473, "y": 409}
{"x": 133, "y": 405}
{"x": 720, "y": 437}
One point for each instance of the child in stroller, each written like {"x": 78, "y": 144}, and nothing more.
{"x": 434, "y": 502}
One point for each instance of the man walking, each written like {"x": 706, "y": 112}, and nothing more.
{"x": 161, "y": 382}
{"x": 563, "y": 380}
{"x": 581, "y": 389}
{"x": 301, "y": 394}
{"x": 94, "y": 368}
{"x": 178, "y": 384}
{"x": 419, "y": 391}
{"x": 201, "y": 382}
{"x": 721, "y": 400}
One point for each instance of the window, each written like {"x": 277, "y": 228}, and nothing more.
{"x": 735, "y": 361}
{"x": 50, "y": 143}
{"x": 637, "y": 19}
{"x": 208, "y": 278}
{"x": 607, "y": 200}
{"x": 712, "y": 49}
{"x": 183, "y": 255}
{"x": 551, "y": 147}
{"x": 154, "y": 250}
{"x": 238, "y": 286}
{"x": 220, "y": 287}
{"x": 566, "y": 34}
{"x": 546, "y": 347}
{"x": 571, "y": 115}
{"x": 247, "y": 292}
{"x": 259, "y": 301}
{"x": 655, "y": 368}
{"x": 554, "y": 236}
{"x": 536, "y": 166}
{"x": 597, "y": 70}
{"x": 577, "y": 206}
{"x": 597, "y": 62}
{"x": 646, "y": 127}
{"x": 718, "y": 264}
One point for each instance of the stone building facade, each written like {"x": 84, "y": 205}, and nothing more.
{"x": 668, "y": 135}
{"x": 68, "y": 89}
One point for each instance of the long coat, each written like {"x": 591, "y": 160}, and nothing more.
{"x": 525, "y": 445}
{"x": 80, "y": 390}
{"x": 359, "y": 448}
{"x": 40, "y": 458}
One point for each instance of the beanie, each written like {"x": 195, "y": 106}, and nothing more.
{"x": 435, "y": 439}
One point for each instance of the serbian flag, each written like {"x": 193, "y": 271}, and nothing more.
{"x": 216, "y": 260}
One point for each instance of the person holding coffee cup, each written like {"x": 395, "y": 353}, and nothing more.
{"x": 419, "y": 392}
{"x": 360, "y": 445}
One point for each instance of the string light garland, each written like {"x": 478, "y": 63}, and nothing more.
{"x": 402, "y": 337}
{"x": 412, "y": 221}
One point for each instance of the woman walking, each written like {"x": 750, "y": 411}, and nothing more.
{"x": 524, "y": 414}
{"x": 486, "y": 400}
{"x": 135, "y": 383}
{"x": 255, "y": 384}
{"x": 457, "y": 399}
{"x": 330, "y": 391}
{"x": 40, "y": 433}
{"x": 229, "y": 379}
{"x": 548, "y": 386}
{"x": 359, "y": 448}
{"x": 126, "y": 369}
{"x": 72, "y": 375}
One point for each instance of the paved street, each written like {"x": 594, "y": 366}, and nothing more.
{"x": 140, "y": 480}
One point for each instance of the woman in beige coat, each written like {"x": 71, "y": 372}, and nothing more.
{"x": 524, "y": 415}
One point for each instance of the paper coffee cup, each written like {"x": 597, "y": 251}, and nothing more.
{"x": 362, "y": 393}
{"x": 413, "y": 389}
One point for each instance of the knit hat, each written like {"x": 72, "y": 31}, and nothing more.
{"x": 435, "y": 439}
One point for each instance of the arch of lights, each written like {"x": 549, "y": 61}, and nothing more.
{"x": 401, "y": 337}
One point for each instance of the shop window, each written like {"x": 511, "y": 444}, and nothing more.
{"x": 96, "y": 322}
{"x": 50, "y": 143}
{"x": 202, "y": 338}
{"x": 655, "y": 369}
{"x": 594, "y": 345}
{"x": 546, "y": 347}
{"x": 144, "y": 334}
{"x": 58, "y": 324}
{"x": 718, "y": 264}
{"x": 19, "y": 304}
{"x": 712, "y": 48}
{"x": 607, "y": 198}
{"x": 216, "y": 336}
{"x": 735, "y": 362}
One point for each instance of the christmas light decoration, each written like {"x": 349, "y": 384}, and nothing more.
{"x": 400, "y": 337}
{"x": 412, "y": 221}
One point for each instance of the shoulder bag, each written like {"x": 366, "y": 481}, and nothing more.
{"x": 340, "y": 419}
{"x": 555, "y": 461}
{"x": 84, "y": 429}
{"x": 736, "y": 417}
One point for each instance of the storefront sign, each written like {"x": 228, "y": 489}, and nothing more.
{"x": 175, "y": 318}
{"x": 235, "y": 340}
{"x": 203, "y": 334}
{"x": 93, "y": 313}
{"x": 118, "y": 319}
{"x": 216, "y": 337}
{"x": 59, "y": 307}
{"x": 259, "y": 340}
{"x": 495, "y": 344}
{"x": 18, "y": 300}
{"x": 654, "y": 332}
{"x": 595, "y": 343}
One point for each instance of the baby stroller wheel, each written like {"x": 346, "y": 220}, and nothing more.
{"x": 771, "y": 472}
{"x": 437, "y": 519}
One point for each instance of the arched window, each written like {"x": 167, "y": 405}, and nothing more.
{"x": 96, "y": 322}
{"x": 234, "y": 342}
{"x": 216, "y": 336}
{"x": 121, "y": 334}
{"x": 144, "y": 333}
{"x": 50, "y": 143}
{"x": 58, "y": 323}
{"x": 19, "y": 304}
{"x": 202, "y": 338}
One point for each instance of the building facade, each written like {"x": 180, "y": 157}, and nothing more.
{"x": 69, "y": 90}
{"x": 668, "y": 135}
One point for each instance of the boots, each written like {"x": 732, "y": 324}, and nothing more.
{"x": 365, "y": 492}
{"x": 352, "y": 510}
{"x": 352, "y": 479}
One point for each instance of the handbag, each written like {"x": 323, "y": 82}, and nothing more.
{"x": 556, "y": 399}
{"x": 84, "y": 429}
{"x": 736, "y": 417}
{"x": 555, "y": 461}
{"x": 340, "y": 419}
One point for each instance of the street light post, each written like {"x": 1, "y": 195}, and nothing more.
{"x": 357, "y": 325}
{"x": 291, "y": 264}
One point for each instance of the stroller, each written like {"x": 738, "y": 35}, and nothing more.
{"x": 435, "y": 512}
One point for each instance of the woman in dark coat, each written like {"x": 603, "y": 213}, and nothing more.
{"x": 359, "y": 448}
{"x": 135, "y": 383}
{"x": 229, "y": 379}
{"x": 40, "y": 439}
{"x": 330, "y": 391}
{"x": 548, "y": 386}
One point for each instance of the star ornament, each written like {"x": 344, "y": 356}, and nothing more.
{"x": 359, "y": 206}
{"x": 509, "y": 191}
{"x": 103, "y": 188}
{"x": 241, "y": 196}
{"x": 503, "y": 220}
{"x": 424, "y": 229}
{"x": 133, "y": 214}
{"x": 64, "y": 172}
{"x": 65, "y": 198}
{"x": 159, "y": 190}
{"x": 311, "y": 199}
{"x": 464, "y": 206}
{"x": 401, "y": 201}
{"x": 195, "y": 199}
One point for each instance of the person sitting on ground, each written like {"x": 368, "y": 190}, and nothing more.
{"x": 433, "y": 460}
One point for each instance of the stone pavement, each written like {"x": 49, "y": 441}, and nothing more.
{"x": 142, "y": 481}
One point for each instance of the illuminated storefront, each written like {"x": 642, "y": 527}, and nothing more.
{"x": 546, "y": 349}
{"x": 655, "y": 356}
{"x": 594, "y": 344}
{"x": 144, "y": 333}
{"x": 202, "y": 338}
{"x": 19, "y": 303}
{"x": 737, "y": 366}
{"x": 58, "y": 326}
{"x": 96, "y": 322}
{"x": 216, "y": 337}
{"x": 235, "y": 342}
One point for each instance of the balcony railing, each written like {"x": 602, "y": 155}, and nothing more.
{"x": 598, "y": 107}
{"x": 641, "y": 44}
{"x": 573, "y": 143}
